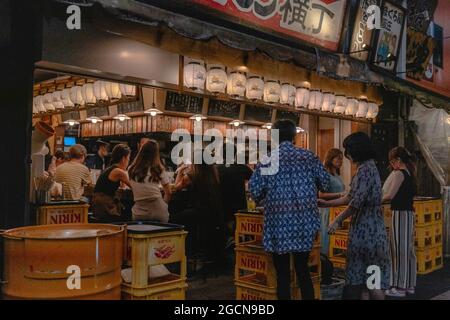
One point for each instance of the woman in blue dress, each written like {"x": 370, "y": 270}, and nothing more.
{"x": 368, "y": 260}
{"x": 333, "y": 164}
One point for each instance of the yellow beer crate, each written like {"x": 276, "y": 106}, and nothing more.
{"x": 338, "y": 262}
{"x": 172, "y": 291}
{"x": 249, "y": 229}
{"x": 255, "y": 267}
{"x": 424, "y": 211}
{"x": 437, "y": 209}
{"x": 437, "y": 233}
{"x": 425, "y": 260}
{"x": 335, "y": 212}
{"x": 338, "y": 245}
{"x": 424, "y": 236}
{"x": 438, "y": 261}
{"x": 62, "y": 214}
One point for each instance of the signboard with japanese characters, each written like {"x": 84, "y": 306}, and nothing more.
{"x": 362, "y": 35}
{"x": 316, "y": 21}
{"x": 389, "y": 37}
{"x": 418, "y": 53}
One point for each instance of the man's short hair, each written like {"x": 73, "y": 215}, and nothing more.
{"x": 77, "y": 151}
{"x": 286, "y": 129}
{"x": 102, "y": 143}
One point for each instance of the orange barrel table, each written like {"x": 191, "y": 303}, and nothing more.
{"x": 43, "y": 262}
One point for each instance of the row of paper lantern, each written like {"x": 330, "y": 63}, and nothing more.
{"x": 237, "y": 84}
{"x": 87, "y": 94}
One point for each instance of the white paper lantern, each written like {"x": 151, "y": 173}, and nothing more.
{"x": 194, "y": 75}
{"x": 112, "y": 90}
{"x": 39, "y": 103}
{"x": 56, "y": 100}
{"x": 272, "y": 91}
{"x": 127, "y": 90}
{"x": 254, "y": 88}
{"x": 302, "y": 97}
{"x": 372, "y": 110}
{"x": 236, "y": 84}
{"x": 362, "y": 108}
{"x": 216, "y": 80}
{"x": 352, "y": 106}
{"x": 87, "y": 91}
{"x": 287, "y": 94}
{"x": 328, "y": 102}
{"x": 48, "y": 99}
{"x": 100, "y": 90}
{"x": 341, "y": 104}
{"x": 315, "y": 100}
{"x": 65, "y": 98}
{"x": 75, "y": 95}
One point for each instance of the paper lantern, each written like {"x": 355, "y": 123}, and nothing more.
{"x": 194, "y": 75}
{"x": 254, "y": 88}
{"x": 75, "y": 95}
{"x": 372, "y": 111}
{"x": 65, "y": 98}
{"x": 302, "y": 97}
{"x": 87, "y": 92}
{"x": 362, "y": 108}
{"x": 216, "y": 80}
{"x": 56, "y": 100}
{"x": 341, "y": 104}
{"x": 100, "y": 90}
{"x": 328, "y": 102}
{"x": 236, "y": 84}
{"x": 352, "y": 106}
{"x": 127, "y": 90}
{"x": 287, "y": 94}
{"x": 272, "y": 91}
{"x": 48, "y": 102}
{"x": 315, "y": 100}
{"x": 112, "y": 90}
{"x": 39, "y": 103}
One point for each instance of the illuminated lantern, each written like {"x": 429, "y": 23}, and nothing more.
{"x": 372, "y": 110}
{"x": 194, "y": 75}
{"x": 100, "y": 90}
{"x": 236, "y": 84}
{"x": 328, "y": 102}
{"x": 315, "y": 100}
{"x": 112, "y": 90}
{"x": 56, "y": 100}
{"x": 341, "y": 104}
{"x": 127, "y": 90}
{"x": 75, "y": 95}
{"x": 272, "y": 91}
{"x": 255, "y": 88}
{"x": 48, "y": 102}
{"x": 87, "y": 92}
{"x": 39, "y": 102}
{"x": 216, "y": 80}
{"x": 65, "y": 98}
{"x": 352, "y": 106}
{"x": 302, "y": 97}
{"x": 288, "y": 94}
{"x": 362, "y": 108}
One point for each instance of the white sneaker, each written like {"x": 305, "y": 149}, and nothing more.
{"x": 411, "y": 291}
{"x": 393, "y": 292}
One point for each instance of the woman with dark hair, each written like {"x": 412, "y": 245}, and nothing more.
{"x": 146, "y": 175}
{"x": 399, "y": 189}
{"x": 333, "y": 164}
{"x": 105, "y": 205}
{"x": 367, "y": 240}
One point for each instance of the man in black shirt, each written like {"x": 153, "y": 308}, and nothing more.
{"x": 99, "y": 161}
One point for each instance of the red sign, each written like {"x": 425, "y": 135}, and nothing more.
{"x": 316, "y": 21}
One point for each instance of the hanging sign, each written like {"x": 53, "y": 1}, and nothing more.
{"x": 418, "y": 53}
{"x": 316, "y": 21}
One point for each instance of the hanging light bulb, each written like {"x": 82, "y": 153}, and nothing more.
{"x": 216, "y": 80}
{"x": 302, "y": 97}
{"x": 272, "y": 91}
{"x": 288, "y": 93}
{"x": 254, "y": 88}
{"x": 197, "y": 117}
{"x": 122, "y": 117}
{"x": 341, "y": 104}
{"x": 153, "y": 111}
{"x": 236, "y": 84}
{"x": 94, "y": 119}
{"x": 300, "y": 130}
{"x": 194, "y": 75}
{"x": 112, "y": 90}
{"x": 48, "y": 102}
{"x": 56, "y": 100}
{"x": 372, "y": 110}
{"x": 362, "y": 108}
{"x": 65, "y": 98}
{"x": 352, "y": 106}
{"x": 328, "y": 101}
{"x": 236, "y": 123}
{"x": 100, "y": 90}
{"x": 75, "y": 95}
{"x": 71, "y": 122}
{"x": 127, "y": 90}
{"x": 267, "y": 126}
{"x": 87, "y": 92}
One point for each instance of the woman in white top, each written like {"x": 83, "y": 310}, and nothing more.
{"x": 146, "y": 175}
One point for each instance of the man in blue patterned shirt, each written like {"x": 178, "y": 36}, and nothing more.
{"x": 291, "y": 216}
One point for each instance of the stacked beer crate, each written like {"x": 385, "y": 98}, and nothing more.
{"x": 428, "y": 235}
{"x": 255, "y": 276}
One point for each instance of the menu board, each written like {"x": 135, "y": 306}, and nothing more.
{"x": 288, "y": 115}
{"x": 97, "y": 112}
{"x": 127, "y": 107}
{"x": 226, "y": 109}
{"x": 183, "y": 103}
{"x": 257, "y": 113}
{"x": 72, "y": 115}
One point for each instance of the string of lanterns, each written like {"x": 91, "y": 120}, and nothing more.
{"x": 238, "y": 85}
